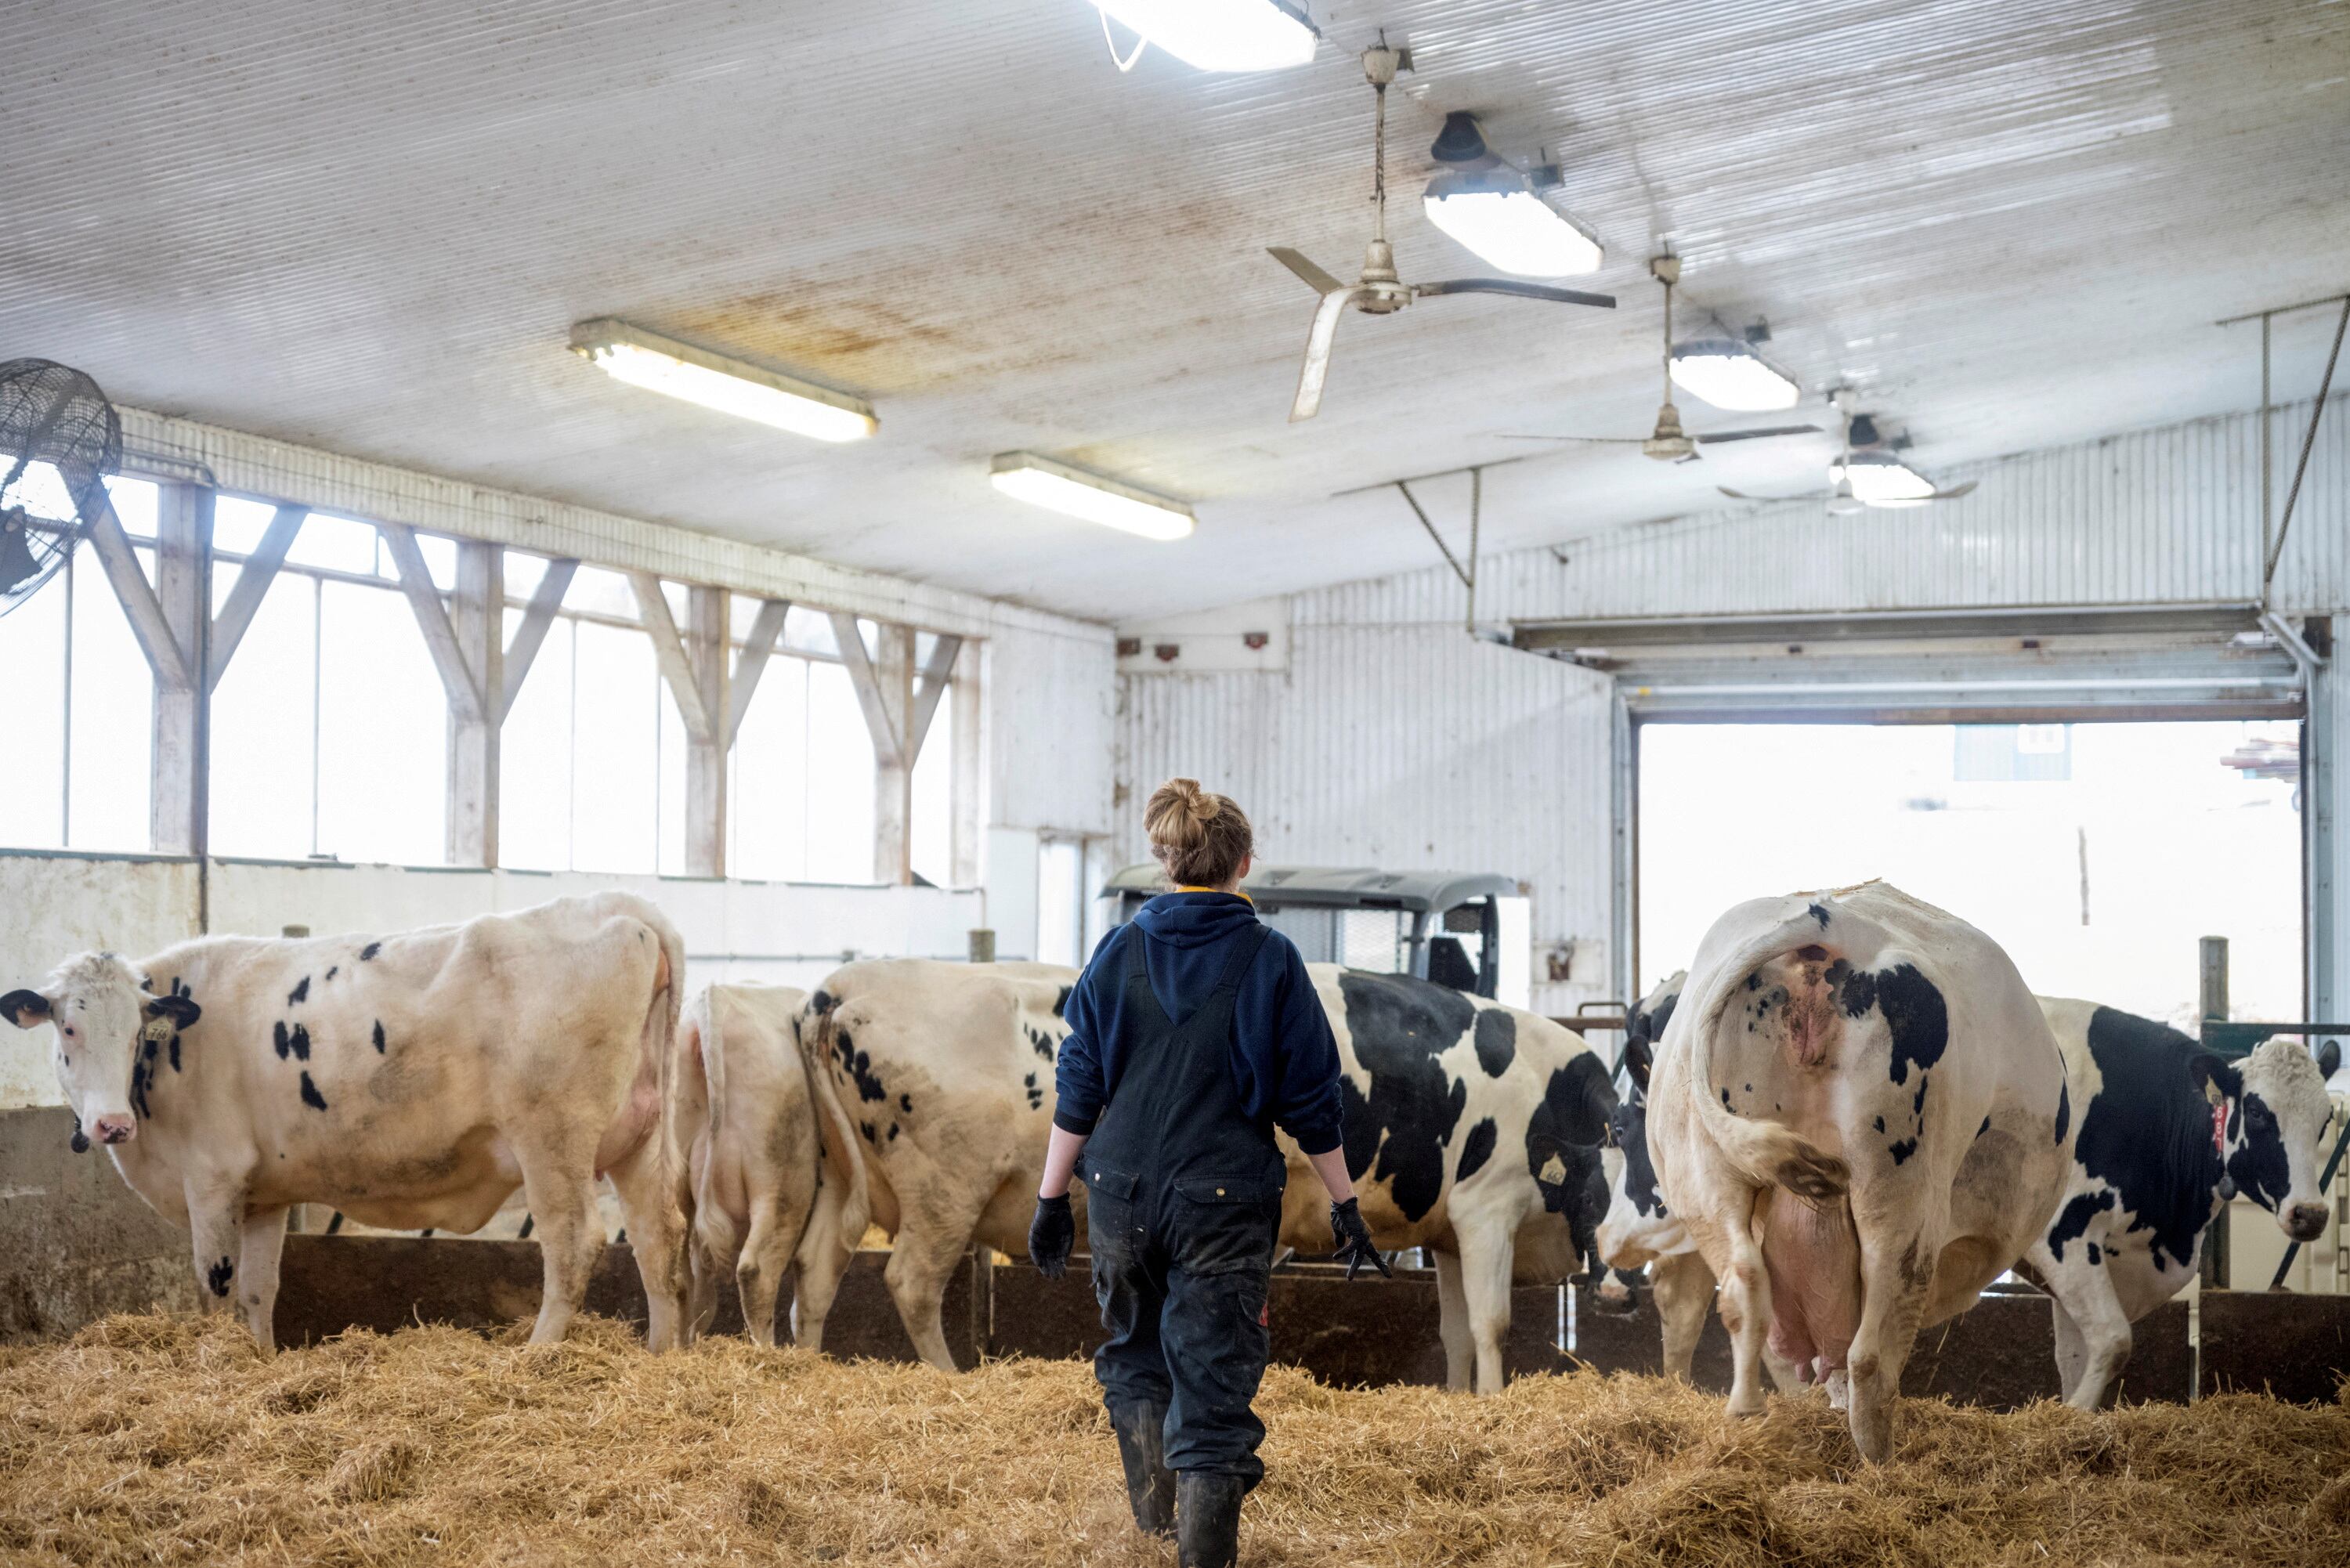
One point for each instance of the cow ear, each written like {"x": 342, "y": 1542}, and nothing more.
{"x": 181, "y": 1011}
{"x": 1638, "y": 1056}
{"x": 2329, "y": 1057}
{"x": 26, "y": 1008}
{"x": 2215, "y": 1077}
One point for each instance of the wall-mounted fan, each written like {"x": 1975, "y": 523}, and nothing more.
{"x": 1379, "y": 291}
{"x": 1669, "y": 443}
{"x": 1871, "y": 472}
{"x": 59, "y": 438}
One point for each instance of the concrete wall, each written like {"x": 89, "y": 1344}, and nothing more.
{"x": 75, "y": 1242}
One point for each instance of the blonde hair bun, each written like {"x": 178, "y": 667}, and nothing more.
{"x": 1200, "y": 836}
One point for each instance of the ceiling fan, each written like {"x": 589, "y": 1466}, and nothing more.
{"x": 1379, "y": 291}
{"x": 1669, "y": 443}
{"x": 1870, "y": 474}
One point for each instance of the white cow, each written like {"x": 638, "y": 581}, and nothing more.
{"x": 934, "y": 1087}
{"x": 747, "y": 1121}
{"x": 409, "y": 1080}
{"x": 1860, "y": 1117}
{"x": 2165, "y": 1129}
{"x": 1471, "y": 1129}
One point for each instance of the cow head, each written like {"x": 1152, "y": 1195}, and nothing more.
{"x": 2272, "y": 1140}
{"x": 99, "y": 1009}
{"x": 1564, "y": 1139}
{"x": 1639, "y": 1228}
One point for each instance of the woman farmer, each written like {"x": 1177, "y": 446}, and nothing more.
{"x": 1193, "y": 1032}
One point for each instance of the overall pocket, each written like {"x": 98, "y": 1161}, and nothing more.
{"x": 1225, "y": 1224}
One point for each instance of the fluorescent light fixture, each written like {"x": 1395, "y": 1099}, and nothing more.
{"x": 1881, "y": 479}
{"x": 1057, "y": 487}
{"x": 1729, "y": 374}
{"x": 1222, "y": 35}
{"x": 1511, "y": 226}
{"x": 659, "y": 364}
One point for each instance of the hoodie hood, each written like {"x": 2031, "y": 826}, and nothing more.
{"x": 1194, "y": 919}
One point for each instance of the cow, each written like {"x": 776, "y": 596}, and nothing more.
{"x": 2167, "y": 1130}
{"x": 1471, "y": 1129}
{"x": 409, "y": 1080}
{"x": 934, "y": 1092}
{"x": 1861, "y": 1117}
{"x": 747, "y": 1124}
{"x": 1640, "y": 1231}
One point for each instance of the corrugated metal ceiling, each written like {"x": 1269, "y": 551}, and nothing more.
{"x": 370, "y": 226}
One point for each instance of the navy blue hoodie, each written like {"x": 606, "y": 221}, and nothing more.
{"x": 1284, "y": 1063}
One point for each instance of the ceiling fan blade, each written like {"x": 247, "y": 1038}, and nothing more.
{"x": 1521, "y": 290}
{"x": 1954, "y": 492}
{"x": 1599, "y": 440}
{"x": 1758, "y": 434}
{"x": 1318, "y": 342}
{"x": 1775, "y": 500}
{"x": 1317, "y": 280}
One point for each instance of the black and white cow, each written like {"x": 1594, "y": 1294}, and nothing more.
{"x": 2167, "y": 1131}
{"x": 1862, "y": 1118}
{"x": 1640, "y": 1231}
{"x": 1473, "y": 1129}
{"x": 409, "y": 1080}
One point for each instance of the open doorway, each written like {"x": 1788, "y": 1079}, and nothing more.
{"x": 2095, "y": 854}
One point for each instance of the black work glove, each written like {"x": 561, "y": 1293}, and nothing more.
{"x": 1051, "y": 1234}
{"x": 1354, "y": 1238}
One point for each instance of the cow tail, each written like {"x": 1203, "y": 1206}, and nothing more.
{"x": 815, "y": 1030}
{"x": 1765, "y": 1152}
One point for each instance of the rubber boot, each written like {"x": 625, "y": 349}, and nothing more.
{"x": 1208, "y": 1519}
{"x": 1142, "y": 1448}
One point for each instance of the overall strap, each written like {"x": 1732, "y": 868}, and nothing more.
{"x": 1244, "y": 953}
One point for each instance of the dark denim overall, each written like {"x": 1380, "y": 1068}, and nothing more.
{"x": 1182, "y": 1204}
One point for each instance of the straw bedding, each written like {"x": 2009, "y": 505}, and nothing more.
{"x": 153, "y": 1439}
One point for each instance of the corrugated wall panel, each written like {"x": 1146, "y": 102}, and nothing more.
{"x": 1405, "y": 746}
{"x": 1051, "y": 731}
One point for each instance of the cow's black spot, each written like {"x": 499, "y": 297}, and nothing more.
{"x": 378, "y": 1036}
{"x": 142, "y": 1074}
{"x": 1754, "y": 980}
{"x": 1061, "y": 1001}
{"x": 1818, "y": 914}
{"x": 1915, "y": 1014}
{"x": 2146, "y": 1134}
{"x": 2260, "y": 1165}
{"x": 858, "y": 1066}
{"x": 2063, "y": 1111}
{"x": 277, "y": 1037}
{"x": 370, "y": 951}
{"x": 1902, "y": 1150}
{"x": 2096, "y": 1257}
{"x": 1497, "y": 1040}
{"x": 867, "y": 1128}
{"x": 1039, "y": 1041}
{"x": 1725, "y": 1094}
{"x": 299, "y": 993}
{"x": 1568, "y": 1126}
{"x": 1400, "y": 1129}
{"x": 1918, "y": 1104}
{"x": 310, "y": 1096}
{"x": 1979, "y": 1131}
{"x": 1476, "y": 1149}
{"x": 1880, "y": 1124}
{"x": 332, "y": 970}
{"x": 175, "y": 1051}
{"x": 823, "y": 1002}
{"x": 293, "y": 1042}
{"x": 905, "y": 1102}
{"x": 2073, "y": 1218}
{"x": 893, "y": 1132}
{"x": 218, "y": 1276}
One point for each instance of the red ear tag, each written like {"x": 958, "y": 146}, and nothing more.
{"x": 1264, "y": 1314}
{"x": 2219, "y": 1130}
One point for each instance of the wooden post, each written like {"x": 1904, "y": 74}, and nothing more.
{"x": 706, "y": 640}
{"x": 893, "y": 777}
{"x": 968, "y": 759}
{"x": 2214, "y": 968}
{"x": 477, "y": 618}
{"x": 183, "y": 528}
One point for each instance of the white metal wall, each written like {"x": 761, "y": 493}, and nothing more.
{"x": 2166, "y": 515}
{"x": 1406, "y": 746}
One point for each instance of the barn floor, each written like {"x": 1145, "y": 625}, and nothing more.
{"x": 156, "y": 1440}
